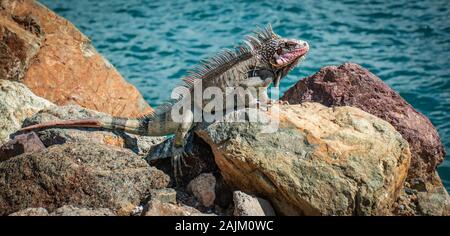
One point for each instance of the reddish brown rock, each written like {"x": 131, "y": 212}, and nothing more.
{"x": 352, "y": 85}
{"x": 24, "y": 143}
{"x": 17, "y": 47}
{"x": 65, "y": 68}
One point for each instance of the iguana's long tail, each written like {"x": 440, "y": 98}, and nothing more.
{"x": 134, "y": 126}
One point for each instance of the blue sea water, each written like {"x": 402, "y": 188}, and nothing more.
{"x": 153, "y": 43}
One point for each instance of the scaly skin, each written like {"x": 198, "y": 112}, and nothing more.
{"x": 263, "y": 59}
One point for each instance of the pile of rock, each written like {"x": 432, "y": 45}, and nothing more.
{"x": 347, "y": 144}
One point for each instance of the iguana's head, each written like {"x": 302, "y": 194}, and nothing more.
{"x": 280, "y": 54}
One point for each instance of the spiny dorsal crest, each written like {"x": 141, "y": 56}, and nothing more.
{"x": 221, "y": 62}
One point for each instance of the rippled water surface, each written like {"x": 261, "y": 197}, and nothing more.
{"x": 152, "y": 43}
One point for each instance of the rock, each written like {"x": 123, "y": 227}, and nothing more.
{"x": 24, "y": 143}
{"x": 158, "y": 208}
{"x": 68, "y": 210}
{"x": 429, "y": 200}
{"x": 351, "y": 85}
{"x": 31, "y": 212}
{"x": 18, "y": 46}
{"x": 320, "y": 161}
{"x": 246, "y": 205}
{"x": 80, "y": 174}
{"x": 65, "y": 67}
{"x": 138, "y": 144}
{"x": 16, "y": 103}
{"x": 435, "y": 201}
{"x": 203, "y": 187}
{"x": 168, "y": 202}
{"x": 166, "y": 195}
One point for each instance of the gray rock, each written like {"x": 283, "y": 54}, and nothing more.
{"x": 158, "y": 208}
{"x": 247, "y": 205}
{"x": 203, "y": 188}
{"x": 69, "y": 210}
{"x": 17, "y": 102}
{"x": 166, "y": 195}
{"x": 66, "y": 210}
{"x": 434, "y": 202}
{"x": 81, "y": 174}
{"x": 39, "y": 211}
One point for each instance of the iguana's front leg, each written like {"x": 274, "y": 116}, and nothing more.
{"x": 261, "y": 84}
{"x": 258, "y": 89}
{"x": 179, "y": 143}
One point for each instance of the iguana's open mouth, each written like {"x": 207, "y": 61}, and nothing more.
{"x": 291, "y": 56}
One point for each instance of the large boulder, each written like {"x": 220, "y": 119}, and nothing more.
{"x": 80, "y": 174}
{"x": 17, "y": 102}
{"x": 57, "y": 62}
{"x": 320, "y": 161}
{"x": 352, "y": 85}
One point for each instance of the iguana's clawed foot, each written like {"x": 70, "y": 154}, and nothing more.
{"x": 178, "y": 161}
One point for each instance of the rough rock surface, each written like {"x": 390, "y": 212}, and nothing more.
{"x": 138, "y": 144}
{"x": 24, "y": 143}
{"x": 352, "y": 85}
{"x": 204, "y": 188}
{"x": 39, "y": 211}
{"x": 430, "y": 199}
{"x": 17, "y": 102}
{"x": 321, "y": 161}
{"x": 66, "y": 210}
{"x": 18, "y": 46}
{"x": 247, "y": 205}
{"x": 166, "y": 195}
{"x": 434, "y": 202}
{"x": 80, "y": 174}
{"x": 165, "y": 202}
{"x": 158, "y": 208}
{"x": 57, "y": 62}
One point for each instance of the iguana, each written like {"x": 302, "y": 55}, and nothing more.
{"x": 263, "y": 58}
